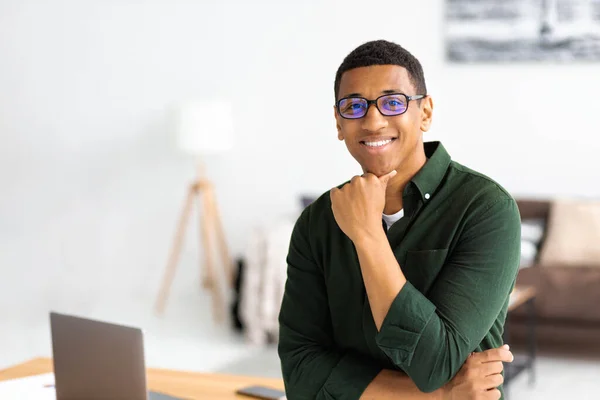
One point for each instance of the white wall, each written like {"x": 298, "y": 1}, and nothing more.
{"x": 91, "y": 184}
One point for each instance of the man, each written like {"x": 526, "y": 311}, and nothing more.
{"x": 396, "y": 277}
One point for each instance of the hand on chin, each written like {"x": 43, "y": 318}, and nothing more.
{"x": 378, "y": 171}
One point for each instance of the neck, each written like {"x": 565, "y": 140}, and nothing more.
{"x": 395, "y": 188}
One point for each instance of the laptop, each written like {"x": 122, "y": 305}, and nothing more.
{"x": 96, "y": 360}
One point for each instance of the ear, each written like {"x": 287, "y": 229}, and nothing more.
{"x": 337, "y": 124}
{"x": 426, "y": 113}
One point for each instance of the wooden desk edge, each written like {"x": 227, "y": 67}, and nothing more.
{"x": 31, "y": 367}
{"x": 41, "y": 365}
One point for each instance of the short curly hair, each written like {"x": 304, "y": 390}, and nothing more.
{"x": 382, "y": 52}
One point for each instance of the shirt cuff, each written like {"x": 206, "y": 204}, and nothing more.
{"x": 403, "y": 325}
{"x": 350, "y": 377}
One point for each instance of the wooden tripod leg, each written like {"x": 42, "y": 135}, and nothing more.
{"x": 225, "y": 257}
{"x": 206, "y": 268}
{"x": 175, "y": 251}
{"x": 207, "y": 231}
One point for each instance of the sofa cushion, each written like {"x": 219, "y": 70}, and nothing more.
{"x": 566, "y": 294}
{"x": 573, "y": 237}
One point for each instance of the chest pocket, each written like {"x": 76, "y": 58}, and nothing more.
{"x": 422, "y": 267}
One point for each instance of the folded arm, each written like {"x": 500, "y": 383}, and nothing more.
{"x": 431, "y": 337}
{"x": 313, "y": 367}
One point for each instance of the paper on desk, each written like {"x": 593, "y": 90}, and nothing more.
{"x": 36, "y": 387}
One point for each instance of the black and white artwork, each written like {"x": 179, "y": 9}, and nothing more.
{"x": 522, "y": 30}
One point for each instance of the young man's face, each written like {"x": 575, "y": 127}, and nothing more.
{"x": 405, "y": 130}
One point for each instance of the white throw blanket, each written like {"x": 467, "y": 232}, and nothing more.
{"x": 263, "y": 281}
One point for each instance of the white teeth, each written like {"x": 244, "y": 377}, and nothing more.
{"x": 378, "y": 144}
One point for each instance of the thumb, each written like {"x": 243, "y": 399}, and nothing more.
{"x": 386, "y": 178}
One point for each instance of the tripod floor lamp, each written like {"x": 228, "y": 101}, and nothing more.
{"x": 202, "y": 127}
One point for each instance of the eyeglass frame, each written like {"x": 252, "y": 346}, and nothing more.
{"x": 369, "y": 102}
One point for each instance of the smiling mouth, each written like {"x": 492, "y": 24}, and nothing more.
{"x": 377, "y": 144}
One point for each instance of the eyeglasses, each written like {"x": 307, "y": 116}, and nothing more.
{"x": 388, "y": 105}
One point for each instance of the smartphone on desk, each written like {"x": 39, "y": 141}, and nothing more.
{"x": 262, "y": 392}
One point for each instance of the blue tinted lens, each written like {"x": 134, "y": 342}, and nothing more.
{"x": 393, "y": 104}
{"x": 352, "y": 107}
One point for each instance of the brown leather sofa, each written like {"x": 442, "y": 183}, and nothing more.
{"x": 567, "y": 304}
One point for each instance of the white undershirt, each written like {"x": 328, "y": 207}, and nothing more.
{"x": 390, "y": 219}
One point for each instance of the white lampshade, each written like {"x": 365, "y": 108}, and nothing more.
{"x": 204, "y": 126}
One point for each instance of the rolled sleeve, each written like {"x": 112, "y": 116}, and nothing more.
{"x": 404, "y": 324}
{"x": 430, "y": 337}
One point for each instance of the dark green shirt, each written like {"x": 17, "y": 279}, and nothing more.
{"x": 458, "y": 245}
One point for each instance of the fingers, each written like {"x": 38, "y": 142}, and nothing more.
{"x": 493, "y": 394}
{"x": 355, "y": 178}
{"x": 491, "y": 355}
{"x": 491, "y": 368}
{"x": 386, "y": 178}
{"x": 493, "y": 381}
{"x": 370, "y": 176}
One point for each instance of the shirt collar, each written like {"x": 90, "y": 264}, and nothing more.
{"x": 431, "y": 174}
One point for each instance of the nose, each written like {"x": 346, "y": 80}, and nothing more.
{"x": 374, "y": 120}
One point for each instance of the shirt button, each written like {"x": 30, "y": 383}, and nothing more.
{"x": 427, "y": 196}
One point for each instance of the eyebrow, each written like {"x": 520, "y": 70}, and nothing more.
{"x": 388, "y": 91}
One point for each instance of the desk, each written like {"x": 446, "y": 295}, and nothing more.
{"x": 189, "y": 385}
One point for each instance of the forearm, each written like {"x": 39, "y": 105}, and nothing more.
{"x": 430, "y": 337}
{"x": 401, "y": 315}
{"x": 391, "y": 384}
{"x": 384, "y": 282}
{"x": 314, "y": 372}
{"x": 381, "y": 273}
